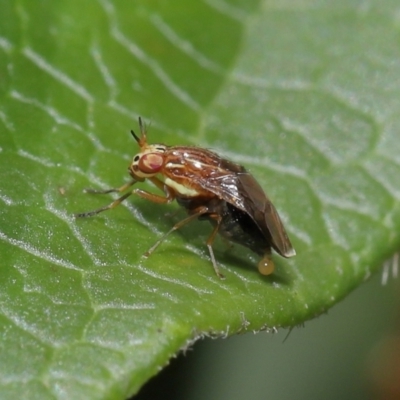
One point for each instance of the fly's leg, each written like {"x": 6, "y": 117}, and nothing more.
{"x": 210, "y": 241}
{"x": 114, "y": 204}
{"x": 199, "y": 211}
{"x": 155, "y": 198}
{"x": 112, "y": 190}
{"x": 111, "y": 205}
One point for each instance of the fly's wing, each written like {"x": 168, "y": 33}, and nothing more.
{"x": 239, "y": 188}
{"x": 264, "y": 214}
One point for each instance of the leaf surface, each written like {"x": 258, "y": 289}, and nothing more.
{"x": 303, "y": 94}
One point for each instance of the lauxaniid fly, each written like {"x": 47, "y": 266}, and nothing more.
{"x": 209, "y": 188}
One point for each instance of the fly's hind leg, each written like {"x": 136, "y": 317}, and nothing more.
{"x": 210, "y": 241}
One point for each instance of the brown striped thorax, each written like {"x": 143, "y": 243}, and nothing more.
{"x": 210, "y": 188}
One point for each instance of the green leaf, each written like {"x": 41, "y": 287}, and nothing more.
{"x": 304, "y": 94}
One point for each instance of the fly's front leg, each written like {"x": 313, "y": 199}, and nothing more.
{"x": 155, "y": 198}
{"x": 169, "y": 196}
{"x": 112, "y": 190}
{"x": 114, "y": 204}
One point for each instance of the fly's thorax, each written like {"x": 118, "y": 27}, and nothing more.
{"x": 149, "y": 162}
{"x": 193, "y": 157}
{"x": 191, "y": 163}
{"x": 184, "y": 170}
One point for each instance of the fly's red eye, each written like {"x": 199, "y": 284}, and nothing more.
{"x": 151, "y": 163}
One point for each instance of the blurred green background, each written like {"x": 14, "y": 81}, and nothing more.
{"x": 331, "y": 357}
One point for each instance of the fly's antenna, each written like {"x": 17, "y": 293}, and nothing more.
{"x": 142, "y": 127}
{"x": 142, "y": 141}
{"x": 135, "y": 136}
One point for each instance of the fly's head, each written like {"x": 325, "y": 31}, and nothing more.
{"x": 150, "y": 160}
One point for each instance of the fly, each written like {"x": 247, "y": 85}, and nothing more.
{"x": 210, "y": 188}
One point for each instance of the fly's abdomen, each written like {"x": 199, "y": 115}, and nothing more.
{"x": 238, "y": 227}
